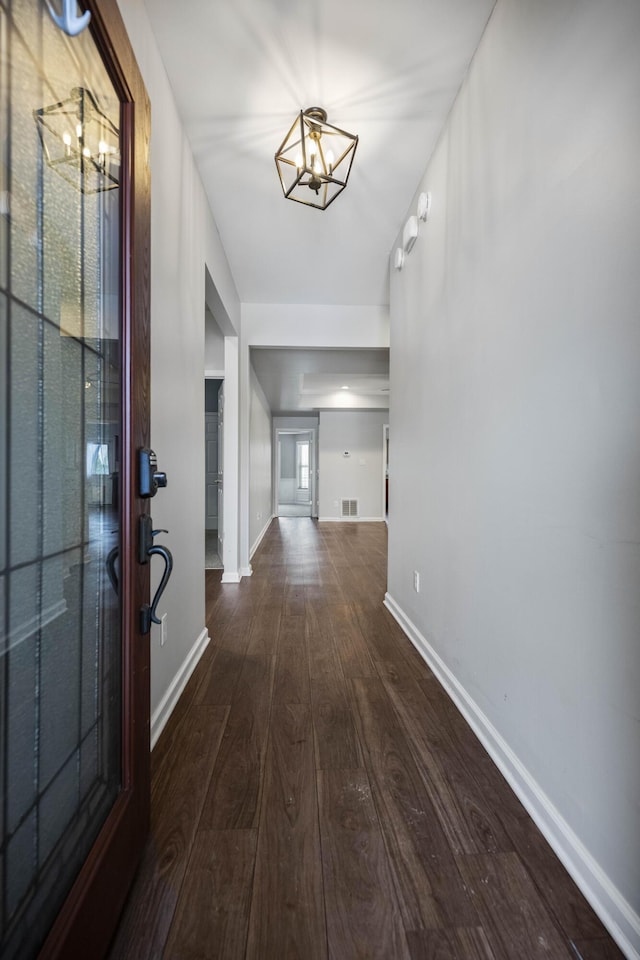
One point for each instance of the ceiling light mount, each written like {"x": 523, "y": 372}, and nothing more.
{"x": 314, "y": 159}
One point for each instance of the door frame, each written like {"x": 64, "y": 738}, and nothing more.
{"x": 313, "y": 466}
{"x": 86, "y": 922}
{"x": 385, "y": 471}
{"x": 210, "y": 418}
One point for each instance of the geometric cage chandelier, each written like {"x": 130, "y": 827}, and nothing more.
{"x": 314, "y": 159}
{"x": 80, "y": 142}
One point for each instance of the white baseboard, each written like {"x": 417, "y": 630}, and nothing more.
{"x": 260, "y": 538}
{"x": 246, "y": 571}
{"x": 231, "y": 576}
{"x": 614, "y": 910}
{"x": 351, "y": 519}
{"x": 165, "y": 708}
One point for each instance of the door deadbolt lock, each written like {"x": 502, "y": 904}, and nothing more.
{"x": 150, "y": 479}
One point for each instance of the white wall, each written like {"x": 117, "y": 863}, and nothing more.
{"x": 515, "y": 441}
{"x": 358, "y": 476}
{"x": 213, "y": 346}
{"x": 184, "y": 240}
{"x": 260, "y": 467}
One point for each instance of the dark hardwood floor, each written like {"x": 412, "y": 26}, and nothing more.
{"x": 317, "y": 795}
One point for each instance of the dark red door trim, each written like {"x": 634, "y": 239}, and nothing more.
{"x": 85, "y": 925}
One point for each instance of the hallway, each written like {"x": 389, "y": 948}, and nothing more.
{"x": 316, "y": 794}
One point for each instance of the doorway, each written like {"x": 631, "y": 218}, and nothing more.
{"x": 295, "y": 473}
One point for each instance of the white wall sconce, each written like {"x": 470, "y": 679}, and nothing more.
{"x": 398, "y": 260}
{"x": 424, "y": 206}
{"x": 410, "y": 234}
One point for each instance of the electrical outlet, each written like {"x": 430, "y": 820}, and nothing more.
{"x": 163, "y": 629}
{"x": 416, "y": 581}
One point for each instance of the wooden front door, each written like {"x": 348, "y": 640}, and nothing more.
{"x": 74, "y": 409}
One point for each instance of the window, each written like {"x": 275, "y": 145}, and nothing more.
{"x": 97, "y": 459}
{"x": 302, "y": 457}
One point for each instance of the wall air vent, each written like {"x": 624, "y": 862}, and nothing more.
{"x": 349, "y": 508}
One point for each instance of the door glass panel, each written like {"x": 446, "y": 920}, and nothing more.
{"x": 60, "y": 430}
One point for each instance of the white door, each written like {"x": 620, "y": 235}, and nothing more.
{"x": 211, "y": 470}
{"x": 220, "y": 472}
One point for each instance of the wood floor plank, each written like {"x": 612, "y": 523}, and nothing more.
{"x": 222, "y": 600}
{"x": 449, "y": 732}
{"x": 292, "y": 663}
{"x": 430, "y": 888}
{"x": 363, "y": 917}
{"x": 597, "y": 950}
{"x": 336, "y": 740}
{"x": 411, "y": 655}
{"x": 323, "y": 658}
{"x": 175, "y": 809}
{"x": 287, "y": 910}
{"x": 232, "y": 801}
{"x": 212, "y": 915}
{"x": 168, "y": 742}
{"x": 454, "y": 741}
{"x": 293, "y": 605}
{"x": 351, "y": 646}
{"x": 383, "y": 640}
{"x": 469, "y": 821}
{"x": 513, "y": 915}
{"x": 217, "y": 686}
{"x": 264, "y": 629}
{"x": 413, "y": 816}
{"x": 461, "y": 944}
{"x": 561, "y": 895}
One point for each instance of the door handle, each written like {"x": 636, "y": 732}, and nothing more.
{"x": 148, "y": 614}
{"x": 110, "y": 563}
{"x": 146, "y": 550}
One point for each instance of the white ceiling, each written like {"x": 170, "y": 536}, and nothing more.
{"x": 242, "y": 69}
{"x": 298, "y": 381}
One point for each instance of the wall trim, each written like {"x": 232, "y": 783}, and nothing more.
{"x": 166, "y": 706}
{"x": 614, "y": 910}
{"x": 351, "y": 519}
{"x": 260, "y": 537}
{"x": 246, "y": 571}
{"x": 231, "y": 576}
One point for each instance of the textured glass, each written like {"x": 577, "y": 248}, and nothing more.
{"x": 4, "y": 149}
{"x": 24, "y": 475}
{"x": 60, "y": 430}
